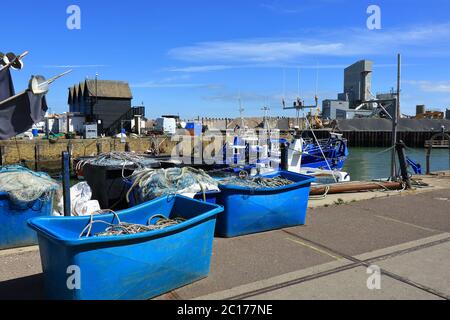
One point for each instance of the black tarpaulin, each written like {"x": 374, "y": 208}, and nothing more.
{"x": 19, "y": 114}
{"x": 6, "y": 84}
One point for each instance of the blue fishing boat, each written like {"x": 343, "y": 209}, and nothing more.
{"x": 329, "y": 154}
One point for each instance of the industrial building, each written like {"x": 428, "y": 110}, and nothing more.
{"x": 105, "y": 102}
{"x": 357, "y": 89}
{"x": 357, "y": 83}
{"x": 353, "y": 102}
{"x": 335, "y": 109}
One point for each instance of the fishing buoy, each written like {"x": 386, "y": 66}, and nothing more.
{"x": 38, "y": 85}
{"x": 2, "y": 61}
{"x": 15, "y": 61}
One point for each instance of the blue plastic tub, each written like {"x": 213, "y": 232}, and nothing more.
{"x": 136, "y": 198}
{"x": 134, "y": 267}
{"x": 250, "y": 210}
{"x": 14, "y": 232}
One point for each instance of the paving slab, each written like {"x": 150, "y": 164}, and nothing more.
{"x": 247, "y": 259}
{"x": 429, "y": 210}
{"x": 353, "y": 231}
{"x": 295, "y": 276}
{"x": 347, "y": 285}
{"x": 429, "y": 267}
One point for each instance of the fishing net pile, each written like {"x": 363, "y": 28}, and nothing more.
{"x": 24, "y": 186}
{"x": 151, "y": 184}
{"x": 257, "y": 182}
{"x": 156, "y": 222}
{"x": 118, "y": 159}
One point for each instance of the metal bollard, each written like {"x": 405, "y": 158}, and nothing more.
{"x": 400, "y": 147}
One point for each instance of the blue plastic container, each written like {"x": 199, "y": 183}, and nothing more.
{"x": 35, "y": 132}
{"x": 14, "y": 232}
{"x": 250, "y": 210}
{"x": 136, "y": 198}
{"x": 195, "y": 128}
{"x": 134, "y": 267}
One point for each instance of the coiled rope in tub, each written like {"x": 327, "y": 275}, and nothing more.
{"x": 257, "y": 182}
{"x": 124, "y": 228}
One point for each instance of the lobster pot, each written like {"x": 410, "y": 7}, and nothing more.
{"x": 139, "y": 266}
{"x": 14, "y": 232}
{"x": 248, "y": 210}
{"x": 107, "y": 184}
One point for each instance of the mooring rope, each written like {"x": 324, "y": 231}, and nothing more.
{"x": 321, "y": 197}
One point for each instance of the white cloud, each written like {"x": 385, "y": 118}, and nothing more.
{"x": 429, "y": 86}
{"x": 75, "y": 66}
{"x": 195, "y": 69}
{"x": 426, "y": 40}
{"x": 174, "y": 82}
{"x": 253, "y": 51}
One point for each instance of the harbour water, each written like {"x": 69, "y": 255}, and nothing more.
{"x": 373, "y": 163}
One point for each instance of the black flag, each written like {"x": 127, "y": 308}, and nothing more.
{"x": 6, "y": 85}
{"x": 19, "y": 114}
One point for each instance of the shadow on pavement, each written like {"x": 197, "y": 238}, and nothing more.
{"x": 28, "y": 288}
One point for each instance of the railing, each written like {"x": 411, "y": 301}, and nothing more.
{"x": 116, "y": 127}
{"x": 436, "y": 144}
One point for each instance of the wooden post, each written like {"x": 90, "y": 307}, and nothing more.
{"x": 70, "y": 152}
{"x": 127, "y": 147}
{"x": 37, "y": 156}
{"x": 99, "y": 148}
{"x": 429, "y": 149}
{"x": 2, "y": 155}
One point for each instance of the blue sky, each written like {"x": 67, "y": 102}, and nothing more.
{"x": 195, "y": 57}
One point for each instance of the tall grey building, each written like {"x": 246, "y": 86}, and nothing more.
{"x": 358, "y": 82}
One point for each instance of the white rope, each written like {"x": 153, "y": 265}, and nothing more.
{"x": 320, "y": 147}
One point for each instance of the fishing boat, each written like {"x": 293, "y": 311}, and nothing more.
{"x": 325, "y": 157}
{"x": 329, "y": 154}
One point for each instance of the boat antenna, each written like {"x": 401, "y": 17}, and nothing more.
{"x": 283, "y": 101}
{"x": 316, "y": 97}
{"x": 241, "y": 110}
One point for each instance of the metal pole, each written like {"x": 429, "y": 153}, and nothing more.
{"x": 66, "y": 183}
{"x": 395, "y": 118}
